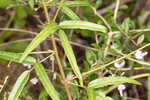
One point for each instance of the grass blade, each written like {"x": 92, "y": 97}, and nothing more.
{"x": 70, "y": 55}
{"x": 105, "y": 81}
{"x": 70, "y": 13}
{"x": 48, "y": 30}
{"x": 82, "y": 25}
{"x": 19, "y": 85}
{"x": 16, "y": 57}
{"x": 41, "y": 73}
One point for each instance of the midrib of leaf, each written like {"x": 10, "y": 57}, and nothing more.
{"x": 70, "y": 13}
{"x": 72, "y": 60}
{"x": 46, "y": 82}
{"x": 76, "y": 3}
{"x": 70, "y": 55}
{"x": 25, "y": 80}
{"x": 111, "y": 81}
{"x": 82, "y": 25}
{"x": 15, "y": 93}
{"x": 11, "y": 56}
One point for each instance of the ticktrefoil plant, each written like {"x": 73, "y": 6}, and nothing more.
{"x": 92, "y": 52}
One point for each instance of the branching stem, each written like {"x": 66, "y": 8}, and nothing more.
{"x": 55, "y": 49}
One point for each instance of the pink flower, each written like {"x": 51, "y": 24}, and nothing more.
{"x": 140, "y": 54}
{"x": 119, "y": 64}
{"x": 121, "y": 88}
{"x": 27, "y": 65}
{"x": 34, "y": 81}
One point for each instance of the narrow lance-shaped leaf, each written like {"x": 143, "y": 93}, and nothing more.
{"x": 148, "y": 85}
{"x": 82, "y": 25}
{"x": 19, "y": 85}
{"x": 41, "y": 73}
{"x": 16, "y": 57}
{"x": 76, "y": 3}
{"x": 70, "y": 55}
{"x": 91, "y": 94}
{"x": 69, "y": 13}
{"x": 43, "y": 95}
{"x": 48, "y": 30}
{"x": 140, "y": 39}
{"x": 105, "y": 81}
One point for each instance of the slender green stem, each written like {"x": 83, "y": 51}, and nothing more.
{"x": 104, "y": 66}
{"x": 55, "y": 49}
{"x": 59, "y": 7}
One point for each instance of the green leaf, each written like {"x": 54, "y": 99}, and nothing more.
{"x": 43, "y": 95}
{"x": 31, "y": 3}
{"x": 76, "y": 3}
{"x": 6, "y": 3}
{"x": 41, "y": 73}
{"x": 100, "y": 95}
{"x": 48, "y": 30}
{"x": 124, "y": 7}
{"x": 105, "y": 81}
{"x": 70, "y": 55}
{"x": 140, "y": 39}
{"x": 126, "y": 24}
{"x": 10, "y": 56}
{"x": 91, "y": 94}
{"x": 19, "y": 85}
{"x": 90, "y": 56}
{"x": 148, "y": 85}
{"x": 82, "y": 25}
{"x": 69, "y": 13}
{"x": 98, "y": 4}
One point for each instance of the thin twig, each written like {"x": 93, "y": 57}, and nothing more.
{"x": 140, "y": 76}
{"x": 140, "y": 30}
{"x": 137, "y": 61}
{"x": 79, "y": 45}
{"x": 112, "y": 6}
{"x": 5, "y": 81}
{"x": 101, "y": 17}
{"x": 91, "y": 71}
{"x": 108, "y": 64}
{"x": 18, "y": 30}
{"x": 109, "y": 33}
{"x": 45, "y": 11}
{"x": 34, "y": 33}
{"x": 127, "y": 69}
{"x": 116, "y": 9}
{"x": 43, "y": 52}
{"x": 11, "y": 42}
{"x": 108, "y": 43}
{"x": 59, "y": 7}
{"x": 126, "y": 34}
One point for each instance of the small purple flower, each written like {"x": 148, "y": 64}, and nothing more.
{"x": 54, "y": 76}
{"x": 27, "y": 65}
{"x": 140, "y": 54}
{"x": 119, "y": 64}
{"x": 34, "y": 81}
{"x": 121, "y": 88}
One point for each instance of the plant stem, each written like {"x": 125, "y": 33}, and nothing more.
{"x": 55, "y": 49}
{"x": 108, "y": 64}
